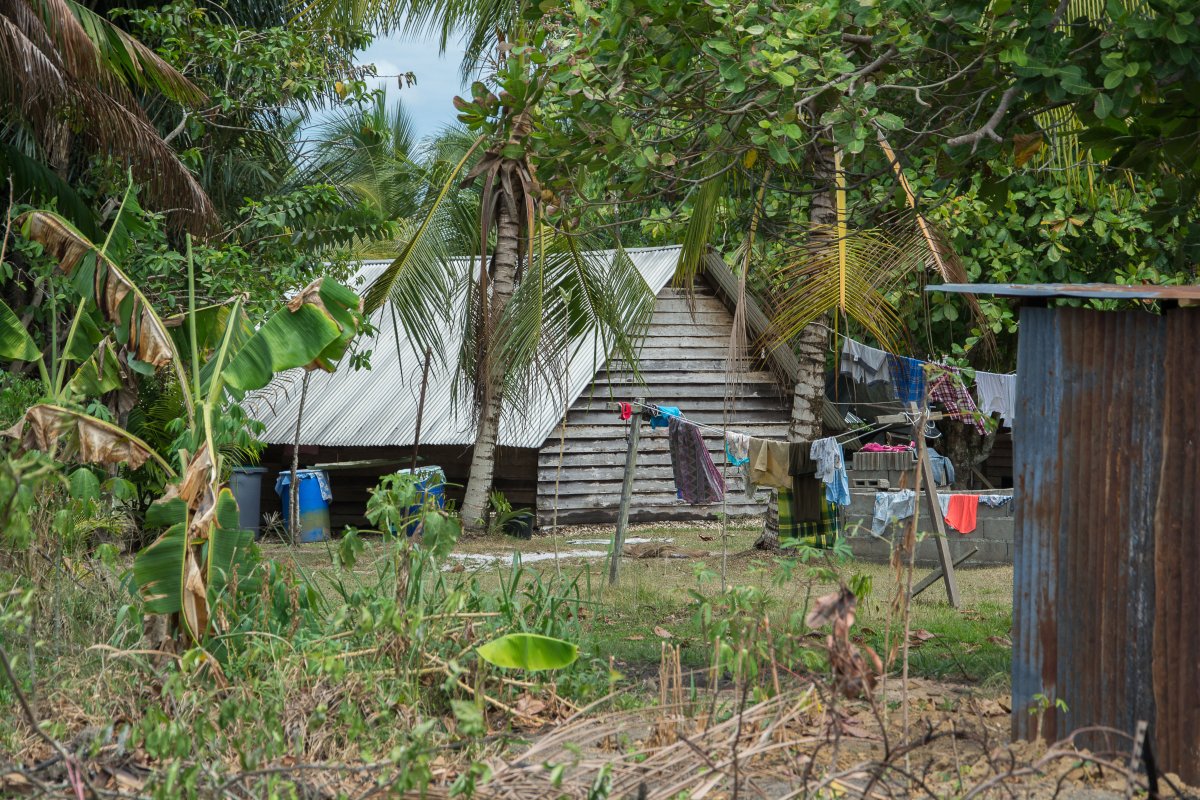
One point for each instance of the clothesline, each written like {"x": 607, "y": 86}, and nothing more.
{"x": 852, "y": 434}
{"x": 848, "y": 338}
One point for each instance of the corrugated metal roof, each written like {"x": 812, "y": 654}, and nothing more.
{"x": 377, "y": 407}
{"x": 1089, "y": 291}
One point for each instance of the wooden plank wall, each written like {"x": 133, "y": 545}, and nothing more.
{"x": 998, "y": 468}
{"x": 683, "y": 364}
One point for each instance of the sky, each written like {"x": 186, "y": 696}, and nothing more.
{"x": 429, "y": 101}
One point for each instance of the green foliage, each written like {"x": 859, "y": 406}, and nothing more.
{"x": 528, "y": 651}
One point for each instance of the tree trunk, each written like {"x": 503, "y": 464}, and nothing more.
{"x": 966, "y": 450}
{"x": 812, "y": 345}
{"x": 483, "y": 459}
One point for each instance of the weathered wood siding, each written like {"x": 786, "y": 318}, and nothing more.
{"x": 682, "y": 364}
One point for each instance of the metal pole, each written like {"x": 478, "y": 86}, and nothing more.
{"x": 635, "y": 433}
{"x": 420, "y": 408}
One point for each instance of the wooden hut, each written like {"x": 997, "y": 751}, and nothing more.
{"x": 358, "y": 425}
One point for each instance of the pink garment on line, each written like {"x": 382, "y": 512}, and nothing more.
{"x": 873, "y": 447}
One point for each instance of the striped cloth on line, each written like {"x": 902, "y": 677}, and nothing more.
{"x": 820, "y": 533}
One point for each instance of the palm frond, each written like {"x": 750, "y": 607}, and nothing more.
{"x": 56, "y": 77}
{"x": 705, "y": 207}
{"x": 133, "y": 60}
{"x": 813, "y": 280}
{"x": 569, "y": 300}
{"x": 419, "y": 281}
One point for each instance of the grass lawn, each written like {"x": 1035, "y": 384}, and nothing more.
{"x": 654, "y": 596}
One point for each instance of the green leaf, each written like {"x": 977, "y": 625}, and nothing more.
{"x": 228, "y": 547}
{"x": 308, "y": 336}
{"x": 890, "y": 121}
{"x": 165, "y": 513}
{"x": 84, "y": 484}
{"x": 15, "y": 342}
{"x": 720, "y": 46}
{"x": 528, "y": 651}
{"x": 1102, "y": 105}
{"x": 121, "y": 489}
{"x": 469, "y": 717}
{"x": 440, "y": 533}
{"x": 158, "y": 572}
{"x": 620, "y": 127}
{"x": 1071, "y": 79}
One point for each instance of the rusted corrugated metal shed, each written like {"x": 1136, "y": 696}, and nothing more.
{"x": 1106, "y": 595}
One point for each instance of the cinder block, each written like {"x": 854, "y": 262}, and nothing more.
{"x": 991, "y": 553}
{"x": 998, "y": 529}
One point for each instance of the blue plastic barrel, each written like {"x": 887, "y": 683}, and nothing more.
{"x": 314, "y": 500}
{"x": 431, "y": 484}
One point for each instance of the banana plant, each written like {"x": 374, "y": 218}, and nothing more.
{"x": 216, "y": 356}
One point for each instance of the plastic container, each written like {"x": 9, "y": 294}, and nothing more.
{"x": 431, "y": 483}
{"x": 246, "y": 485}
{"x": 314, "y": 499}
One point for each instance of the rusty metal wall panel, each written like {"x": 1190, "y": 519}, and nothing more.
{"x": 1177, "y": 584}
{"x": 1087, "y": 451}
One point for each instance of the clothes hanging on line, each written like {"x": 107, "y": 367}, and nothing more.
{"x": 822, "y": 532}
{"x": 831, "y": 470}
{"x": 995, "y": 500}
{"x": 697, "y": 479}
{"x": 875, "y": 447}
{"x": 737, "y": 448}
{"x": 908, "y": 377}
{"x": 891, "y": 506}
{"x": 662, "y": 416}
{"x": 943, "y": 468}
{"x": 865, "y": 365}
{"x": 962, "y": 511}
{"x": 997, "y": 394}
{"x": 807, "y": 491}
{"x": 947, "y": 388}
{"x": 769, "y": 464}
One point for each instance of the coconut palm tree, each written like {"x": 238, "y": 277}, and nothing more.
{"x": 533, "y": 294}
{"x": 69, "y": 83}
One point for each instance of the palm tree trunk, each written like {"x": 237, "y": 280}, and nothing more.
{"x": 483, "y": 458}
{"x": 809, "y": 393}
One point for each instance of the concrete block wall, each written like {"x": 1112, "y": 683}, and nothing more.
{"x": 993, "y": 534}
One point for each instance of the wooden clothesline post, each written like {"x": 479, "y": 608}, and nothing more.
{"x": 932, "y": 504}
{"x": 618, "y": 543}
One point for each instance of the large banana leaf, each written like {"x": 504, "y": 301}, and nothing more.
{"x": 98, "y": 375}
{"x": 158, "y": 571}
{"x": 313, "y": 331}
{"x": 178, "y": 576}
{"x": 76, "y": 436}
{"x": 211, "y": 322}
{"x": 529, "y": 651}
{"x": 227, "y": 549}
{"x": 15, "y": 342}
{"x": 122, "y": 303}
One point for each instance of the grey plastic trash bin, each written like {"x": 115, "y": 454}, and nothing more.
{"x": 246, "y": 484}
